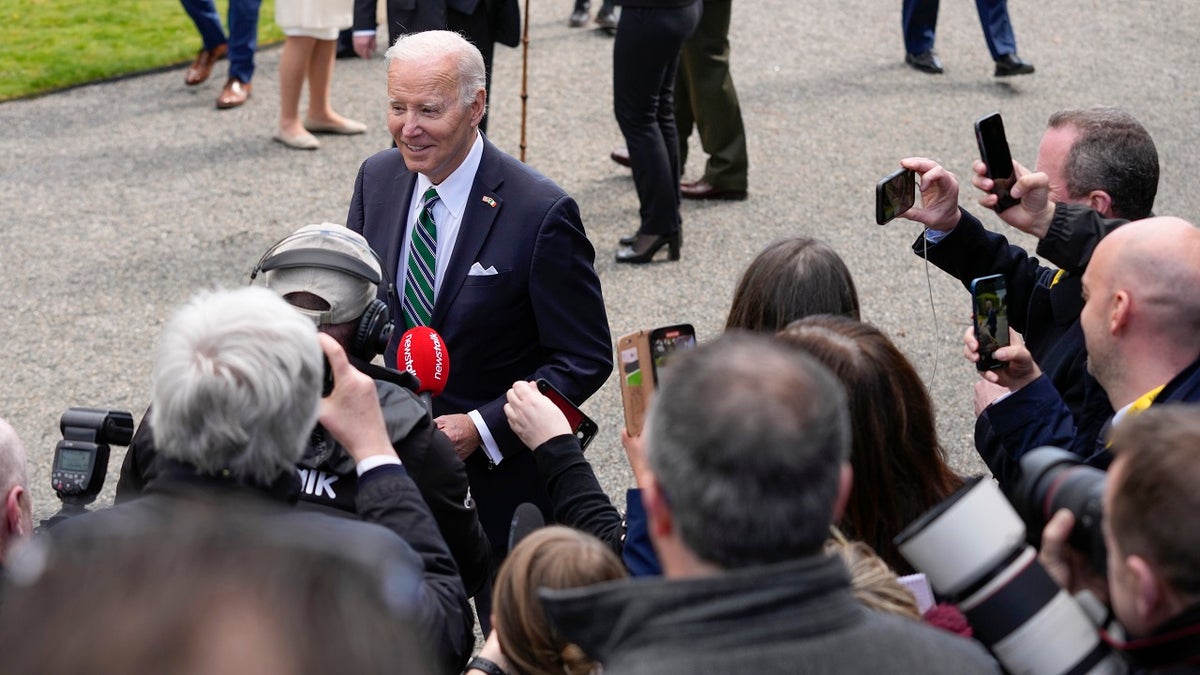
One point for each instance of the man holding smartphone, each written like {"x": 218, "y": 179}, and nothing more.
{"x": 1100, "y": 158}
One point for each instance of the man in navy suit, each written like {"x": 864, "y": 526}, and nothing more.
{"x": 515, "y": 294}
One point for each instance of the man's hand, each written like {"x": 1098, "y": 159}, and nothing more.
{"x": 462, "y": 433}
{"x": 939, "y": 195}
{"x": 635, "y": 450}
{"x": 1021, "y": 369}
{"x": 1068, "y": 567}
{"x": 351, "y": 412}
{"x": 1035, "y": 212}
{"x": 986, "y": 394}
{"x": 364, "y": 45}
{"x": 533, "y": 417}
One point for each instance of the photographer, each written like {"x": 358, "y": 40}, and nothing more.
{"x": 330, "y": 275}
{"x": 236, "y": 391}
{"x": 1153, "y": 539}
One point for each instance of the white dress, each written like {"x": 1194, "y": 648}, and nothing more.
{"x": 321, "y": 19}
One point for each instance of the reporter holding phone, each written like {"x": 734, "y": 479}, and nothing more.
{"x": 575, "y": 493}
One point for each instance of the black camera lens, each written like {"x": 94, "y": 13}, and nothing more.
{"x": 1054, "y": 479}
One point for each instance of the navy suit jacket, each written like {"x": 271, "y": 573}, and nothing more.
{"x": 540, "y": 316}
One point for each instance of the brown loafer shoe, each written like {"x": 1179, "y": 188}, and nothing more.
{"x": 202, "y": 66}
{"x": 233, "y": 94}
{"x": 620, "y": 155}
{"x": 702, "y": 190}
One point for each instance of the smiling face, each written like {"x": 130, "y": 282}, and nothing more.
{"x": 433, "y": 128}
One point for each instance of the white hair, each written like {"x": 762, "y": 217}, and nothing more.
{"x": 236, "y": 384}
{"x": 436, "y": 44}
{"x": 13, "y": 470}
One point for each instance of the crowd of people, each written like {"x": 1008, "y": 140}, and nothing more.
{"x": 289, "y": 506}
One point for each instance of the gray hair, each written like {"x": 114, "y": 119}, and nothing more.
{"x": 237, "y": 383}
{"x": 1113, "y": 153}
{"x": 13, "y": 469}
{"x": 433, "y": 45}
{"x": 747, "y": 438}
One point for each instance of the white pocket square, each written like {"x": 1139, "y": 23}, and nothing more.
{"x": 477, "y": 270}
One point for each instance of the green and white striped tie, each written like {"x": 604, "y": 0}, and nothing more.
{"x": 422, "y": 263}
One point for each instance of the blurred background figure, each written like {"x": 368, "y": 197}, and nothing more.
{"x": 919, "y": 18}
{"x": 309, "y": 52}
{"x": 207, "y": 590}
{"x": 645, "y": 57}
{"x": 239, "y": 46}
{"x": 705, "y": 98}
{"x": 791, "y": 279}
{"x": 900, "y": 469}
{"x": 606, "y": 18}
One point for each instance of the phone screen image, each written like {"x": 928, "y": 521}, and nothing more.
{"x": 993, "y": 150}
{"x": 631, "y": 367}
{"x": 895, "y": 195}
{"x": 581, "y": 425}
{"x": 990, "y": 300}
{"x": 667, "y": 340}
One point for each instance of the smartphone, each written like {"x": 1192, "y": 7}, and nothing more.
{"x": 993, "y": 150}
{"x": 581, "y": 425}
{"x": 990, "y": 310}
{"x": 667, "y": 340}
{"x": 637, "y": 381}
{"x": 895, "y": 195}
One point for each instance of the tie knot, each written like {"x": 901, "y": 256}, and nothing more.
{"x": 430, "y": 197}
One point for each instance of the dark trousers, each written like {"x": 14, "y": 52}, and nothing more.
{"x": 645, "y": 58}
{"x": 919, "y": 18}
{"x": 705, "y": 98}
{"x": 477, "y": 28}
{"x": 243, "y": 31}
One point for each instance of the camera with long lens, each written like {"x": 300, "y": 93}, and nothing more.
{"x": 972, "y": 549}
{"x": 1053, "y": 479}
{"x": 81, "y": 457}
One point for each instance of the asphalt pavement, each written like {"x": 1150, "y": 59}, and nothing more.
{"x": 122, "y": 199}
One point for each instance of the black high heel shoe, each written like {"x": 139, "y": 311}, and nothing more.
{"x": 646, "y": 245}
{"x": 630, "y": 240}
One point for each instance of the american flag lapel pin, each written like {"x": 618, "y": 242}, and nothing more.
{"x": 489, "y": 201}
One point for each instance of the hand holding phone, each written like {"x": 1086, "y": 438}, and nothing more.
{"x": 990, "y": 313}
{"x": 581, "y": 425}
{"x": 993, "y": 150}
{"x": 895, "y": 195}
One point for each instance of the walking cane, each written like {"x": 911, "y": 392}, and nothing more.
{"x": 524, "y": 77}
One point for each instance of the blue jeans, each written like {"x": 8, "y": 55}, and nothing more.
{"x": 243, "y": 31}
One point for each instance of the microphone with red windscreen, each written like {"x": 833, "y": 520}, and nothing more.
{"x": 422, "y": 353}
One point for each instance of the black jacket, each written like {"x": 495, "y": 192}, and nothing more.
{"x": 389, "y": 505}
{"x": 328, "y": 481}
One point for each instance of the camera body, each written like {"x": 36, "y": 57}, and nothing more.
{"x": 81, "y": 457}
{"x": 1053, "y": 479}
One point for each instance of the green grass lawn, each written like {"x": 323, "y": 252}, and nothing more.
{"x": 51, "y": 44}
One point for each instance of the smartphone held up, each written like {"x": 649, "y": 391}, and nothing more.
{"x": 895, "y": 195}
{"x": 993, "y": 150}
{"x": 989, "y": 300}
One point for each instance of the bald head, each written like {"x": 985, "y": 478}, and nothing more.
{"x": 1142, "y": 315}
{"x": 15, "y": 505}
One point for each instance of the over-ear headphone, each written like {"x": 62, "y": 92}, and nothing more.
{"x": 375, "y": 327}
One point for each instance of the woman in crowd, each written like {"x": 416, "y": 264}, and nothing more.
{"x": 521, "y": 641}
{"x": 650, "y": 34}
{"x": 900, "y": 470}
{"x": 309, "y": 49}
{"x": 789, "y": 280}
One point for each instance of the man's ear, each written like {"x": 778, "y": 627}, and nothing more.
{"x": 658, "y": 512}
{"x": 13, "y": 513}
{"x": 478, "y": 107}
{"x": 1101, "y": 202}
{"x": 845, "y": 484}
{"x": 1150, "y": 602}
{"x": 1121, "y": 308}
